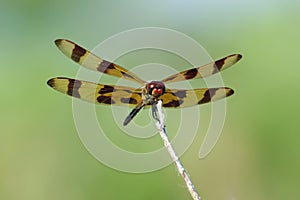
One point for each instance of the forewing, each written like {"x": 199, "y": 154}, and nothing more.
{"x": 185, "y": 98}
{"x": 206, "y": 70}
{"x": 93, "y": 62}
{"x": 97, "y": 93}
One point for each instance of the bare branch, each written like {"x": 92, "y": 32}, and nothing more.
{"x": 159, "y": 116}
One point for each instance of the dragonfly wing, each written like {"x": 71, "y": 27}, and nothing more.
{"x": 206, "y": 70}
{"x": 97, "y": 93}
{"x": 185, "y": 98}
{"x": 93, "y": 62}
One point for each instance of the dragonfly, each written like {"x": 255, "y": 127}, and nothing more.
{"x": 145, "y": 96}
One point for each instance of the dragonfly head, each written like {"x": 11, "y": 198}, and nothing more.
{"x": 155, "y": 88}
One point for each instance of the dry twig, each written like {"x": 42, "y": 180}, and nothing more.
{"x": 159, "y": 116}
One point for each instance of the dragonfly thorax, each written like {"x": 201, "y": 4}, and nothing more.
{"x": 155, "y": 88}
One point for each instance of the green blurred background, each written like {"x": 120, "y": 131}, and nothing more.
{"x": 257, "y": 156}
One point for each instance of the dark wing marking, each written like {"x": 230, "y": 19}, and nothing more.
{"x": 97, "y": 93}
{"x": 93, "y": 62}
{"x": 185, "y": 98}
{"x": 205, "y": 70}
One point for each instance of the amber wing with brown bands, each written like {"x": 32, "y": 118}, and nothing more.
{"x": 206, "y": 70}
{"x": 93, "y": 62}
{"x": 97, "y": 93}
{"x": 185, "y": 98}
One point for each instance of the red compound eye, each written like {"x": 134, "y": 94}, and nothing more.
{"x": 155, "y": 88}
{"x": 157, "y": 92}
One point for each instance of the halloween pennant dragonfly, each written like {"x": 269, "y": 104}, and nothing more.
{"x": 148, "y": 94}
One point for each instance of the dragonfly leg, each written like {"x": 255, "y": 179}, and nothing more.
{"x": 155, "y": 112}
